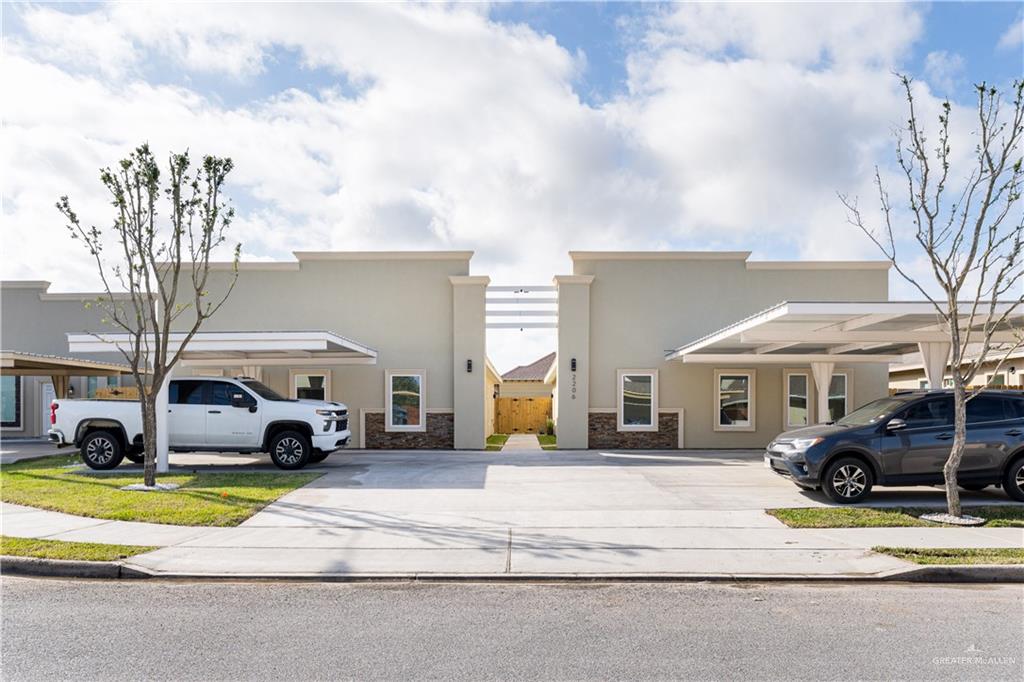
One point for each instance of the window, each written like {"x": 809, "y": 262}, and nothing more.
{"x": 734, "y": 400}
{"x": 997, "y": 379}
{"x": 638, "y": 400}
{"x": 405, "y": 410}
{"x": 186, "y": 392}
{"x": 797, "y": 404}
{"x": 929, "y": 413}
{"x": 221, "y": 392}
{"x": 10, "y": 396}
{"x": 311, "y": 385}
{"x": 837, "y": 397}
{"x": 92, "y": 384}
{"x": 985, "y": 409}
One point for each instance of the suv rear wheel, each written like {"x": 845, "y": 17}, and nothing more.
{"x": 290, "y": 450}
{"x": 847, "y": 480}
{"x": 102, "y": 450}
{"x": 1013, "y": 479}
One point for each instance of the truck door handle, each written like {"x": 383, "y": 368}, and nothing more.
{"x": 944, "y": 436}
{"x": 1014, "y": 432}
{"x": 213, "y": 412}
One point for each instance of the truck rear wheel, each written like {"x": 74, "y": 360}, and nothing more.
{"x": 102, "y": 450}
{"x": 290, "y": 450}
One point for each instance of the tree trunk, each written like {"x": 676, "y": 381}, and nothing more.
{"x": 149, "y": 437}
{"x": 956, "y": 454}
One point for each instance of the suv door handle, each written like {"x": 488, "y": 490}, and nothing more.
{"x": 1014, "y": 432}
{"x": 944, "y": 436}
{"x": 213, "y": 411}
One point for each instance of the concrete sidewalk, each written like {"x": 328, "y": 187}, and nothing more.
{"x": 526, "y": 514}
{"x": 751, "y": 544}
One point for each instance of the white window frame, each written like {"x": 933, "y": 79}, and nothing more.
{"x": 752, "y": 397}
{"x": 849, "y": 390}
{"x": 388, "y": 426}
{"x": 19, "y": 409}
{"x": 293, "y": 374}
{"x": 809, "y": 383}
{"x": 622, "y": 374}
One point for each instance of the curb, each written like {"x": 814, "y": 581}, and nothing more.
{"x": 57, "y": 568}
{"x": 62, "y": 568}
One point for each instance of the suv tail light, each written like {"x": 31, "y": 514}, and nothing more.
{"x": 53, "y": 412}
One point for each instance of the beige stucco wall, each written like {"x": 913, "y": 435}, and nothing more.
{"x": 492, "y": 383}
{"x": 34, "y": 320}
{"x": 911, "y": 379}
{"x": 401, "y": 305}
{"x": 640, "y": 307}
{"x": 573, "y": 387}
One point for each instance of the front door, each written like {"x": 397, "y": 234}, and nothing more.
{"x": 228, "y": 426}
{"x": 46, "y": 396}
{"x": 922, "y": 446}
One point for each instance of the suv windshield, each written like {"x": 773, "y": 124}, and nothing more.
{"x": 262, "y": 390}
{"x": 872, "y": 412}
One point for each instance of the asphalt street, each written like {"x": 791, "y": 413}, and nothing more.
{"x": 54, "y": 629}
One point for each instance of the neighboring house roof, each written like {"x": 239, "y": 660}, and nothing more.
{"x": 535, "y": 371}
{"x": 912, "y": 361}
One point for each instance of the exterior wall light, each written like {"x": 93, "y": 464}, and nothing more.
{"x": 572, "y": 364}
{"x": 469, "y": 365}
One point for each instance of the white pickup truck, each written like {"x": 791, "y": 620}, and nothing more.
{"x": 206, "y": 414}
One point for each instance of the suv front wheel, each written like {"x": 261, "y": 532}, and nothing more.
{"x": 847, "y": 480}
{"x": 1013, "y": 480}
{"x": 290, "y": 450}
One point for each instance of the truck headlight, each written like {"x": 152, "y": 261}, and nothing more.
{"x": 325, "y": 413}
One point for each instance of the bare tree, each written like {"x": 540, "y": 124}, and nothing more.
{"x": 970, "y": 236}
{"x": 155, "y": 264}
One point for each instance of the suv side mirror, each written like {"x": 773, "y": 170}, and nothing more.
{"x": 242, "y": 400}
{"x": 895, "y": 425}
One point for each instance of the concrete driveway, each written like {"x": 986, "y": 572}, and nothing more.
{"x": 525, "y": 513}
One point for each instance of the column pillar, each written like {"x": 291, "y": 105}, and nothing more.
{"x": 573, "y": 427}
{"x": 935, "y": 356}
{"x": 822, "y": 372}
{"x": 469, "y": 357}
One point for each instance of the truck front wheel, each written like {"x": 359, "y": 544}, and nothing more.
{"x": 102, "y": 450}
{"x": 290, "y": 450}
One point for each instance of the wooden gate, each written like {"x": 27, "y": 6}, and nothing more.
{"x": 521, "y": 415}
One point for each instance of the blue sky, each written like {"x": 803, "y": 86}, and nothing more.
{"x": 520, "y": 131}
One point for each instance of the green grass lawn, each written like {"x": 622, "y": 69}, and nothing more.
{"x": 547, "y": 442}
{"x": 1000, "y": 555}
{"x": 495, "y": 441}
{"x": 57, "y": 549}
{"x": 204, "y": 499}
{"x": 998, "y": 516}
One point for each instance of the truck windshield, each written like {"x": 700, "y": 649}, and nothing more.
{"x": 262, "y": 390}
{"x": 872, "y": 412}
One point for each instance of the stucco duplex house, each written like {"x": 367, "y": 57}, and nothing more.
{"x": 624, "y": 374}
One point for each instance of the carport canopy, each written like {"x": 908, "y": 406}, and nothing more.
{"x": 59, "y": 369}
{"x": 823, "y": 333}
{"x": 249, "y": 350}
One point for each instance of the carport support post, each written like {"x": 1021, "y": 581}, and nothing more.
{"x": 573, "y": 427}
{"x": 822, "y": 372}
{"x": 163, "y": 437}
{"x": 934, "y": 355}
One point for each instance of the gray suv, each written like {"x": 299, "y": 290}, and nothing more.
{"x": 904, "y": 440}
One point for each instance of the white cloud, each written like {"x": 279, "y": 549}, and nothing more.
{"x": 1013, "y": 36}
{"x": 944, "y": 70}
{"x": 740, "y": 124}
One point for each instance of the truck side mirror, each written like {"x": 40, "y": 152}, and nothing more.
{"x": 242, "y": 400}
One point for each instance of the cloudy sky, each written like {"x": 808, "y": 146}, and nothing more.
{"x": 518, "y": 131}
